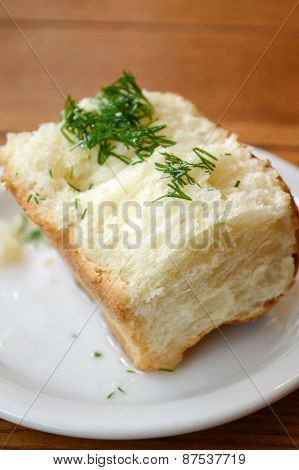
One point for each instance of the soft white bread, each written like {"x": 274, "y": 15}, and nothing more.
{"x": 161, "y": 294}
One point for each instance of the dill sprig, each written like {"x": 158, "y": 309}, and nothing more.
{"x": 206, "y": 158}
{"x": 123, "y": 114}
{"x": 83, "y": 214}
{"x": 74, "y": 187}
{"x": 34, "y": 235}
{"x": 178, "y": 170}
{"x": 35, "y": 197}
{"x": 96, "y": 354}
{"x": 111, "y": 394}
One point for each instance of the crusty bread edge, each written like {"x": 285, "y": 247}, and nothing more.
{"x": 110, "y": 295}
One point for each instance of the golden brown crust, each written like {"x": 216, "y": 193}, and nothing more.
{"x": 110, "y": 294}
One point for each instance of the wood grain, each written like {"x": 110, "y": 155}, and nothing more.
{"x": 201, "y": 49}
{"x": 239, "y": 13}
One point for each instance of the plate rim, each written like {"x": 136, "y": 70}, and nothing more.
{"x": 42, "y": 418}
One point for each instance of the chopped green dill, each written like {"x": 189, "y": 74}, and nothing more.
{"x": 237, "y": 184}
{"x": 90, "y": 186}
{"x": 83, "y": 214}
{"x": 123, "y": 114}
{"x": 96, "y": 354}
{"x": 130, "y": 371}
{"x": 227, "y": 153}
{"x": 77, "y": 202}
{"x": 34, "y": 235}
{"x": 178, "y": 170}
{"x": 175, "y": 191}
{"x": 37, "y": 198}
{"x": 74, "y": 187}
{"x": 51, "y": 173}
{"x": 162, "y": 369}
{"x": 118, "y": 389}
{"x": 206, "y": 163}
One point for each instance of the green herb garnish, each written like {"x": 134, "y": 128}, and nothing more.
{"x": 122, "y": 114}
{"x": 119, "y": 389}
{"x": 131, "y": 371}
{"x": 237, "y": 184}
{"x": 51, "y": 173}
{"x": 165, "y": 370}
{"x": 34, "y": 235}
{"x": 74, "y": 187}
{"x": 96, "y": 354}
{"x": 36, "y": 197}
{"x": 178, "y": 170}
{"x": 206, "y": 158}
{"x": 83, "y": 214}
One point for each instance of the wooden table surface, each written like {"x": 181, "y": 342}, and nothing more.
{"x": 236, "y": 60}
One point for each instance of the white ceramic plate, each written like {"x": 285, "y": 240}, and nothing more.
{"x": 42, "y": 310}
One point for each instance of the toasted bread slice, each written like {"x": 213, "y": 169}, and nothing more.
{"x": 167, "y": 272}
